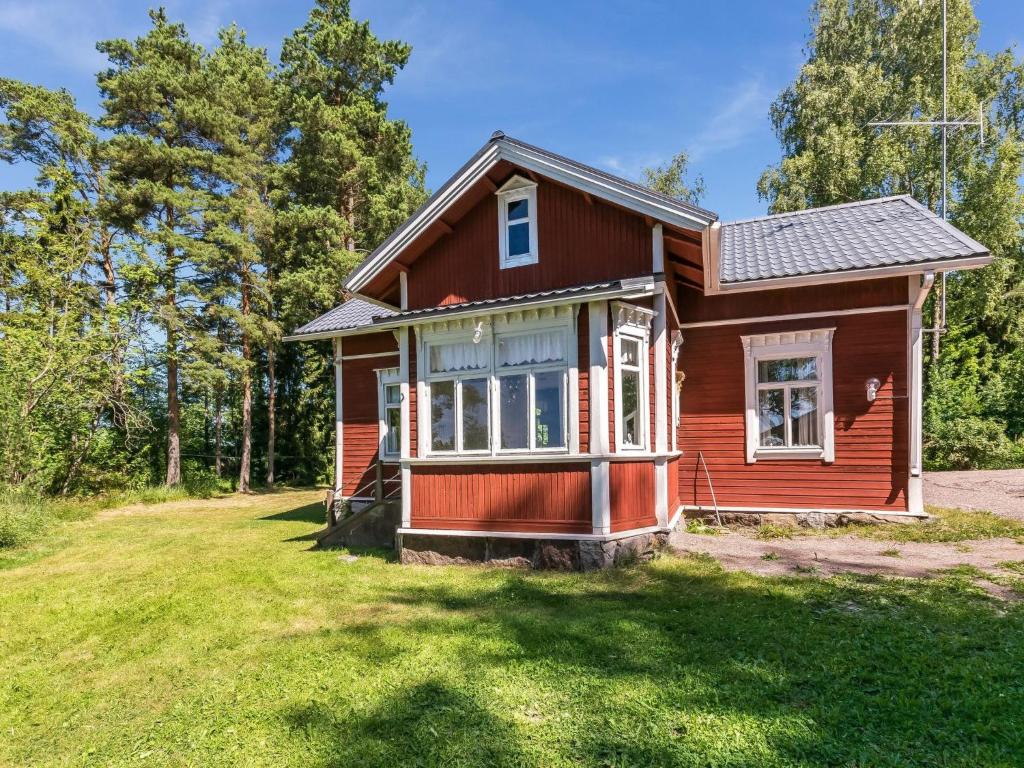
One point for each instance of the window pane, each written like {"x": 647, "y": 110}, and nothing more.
{"x": 518, "y": 239}
{"x": 548, "y": 403}
{"x": 475, "y": 429}
{"x": 629, "y": 351}
{"x": 394, "y": 427}
{"x": 803, "y": 414}
{"x": 790, "y": 369}
{"x": 392, "y": 393}
{"x": 518, "y": 209}
{"x": 514, "y": 395}
{"x": 526, "y": 348}
{"x": 630, "y": 405}
{"x": 772, "y": 416}
{"x": 442, "y": 415}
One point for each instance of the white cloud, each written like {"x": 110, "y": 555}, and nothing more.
{"x": 744, "y": 113}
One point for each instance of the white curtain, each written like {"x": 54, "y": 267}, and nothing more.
{"x": 463, "y": 356}
{"x": 531, "y": 348}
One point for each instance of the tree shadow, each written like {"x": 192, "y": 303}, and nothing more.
{"x": 658, "y": 666}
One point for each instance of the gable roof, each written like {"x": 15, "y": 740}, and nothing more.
{"x": 556, "y": 167}
{"x": 885, "y": 234}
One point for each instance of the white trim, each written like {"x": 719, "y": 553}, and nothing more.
{"x": 917, "y": 293}
{"x": 675, "y": 388}
{"x": 515, "y": 189}
{"x": 661, "y": 491}
{"x": 794, "y": 316}
{"x": 572, "y": 417}
{"x": 527, "y": 457}
{"x": 600, "y": 474}
{"x": 405, "y": 447}
{"x": 657, "y": 249}
{"x": 634, "y": 324}
{"x": 558, "y": 169}
{"x": 853, "y": 275}
{"x": 802, "y": 511}
{"x": 370, "y": 355}
{"x": 388, "y": 377}
{"x": 815, "y": 343}
{"x": 660, "y": 333}
{"x": 539, "y": 535}
{"x": 339, "y": 424}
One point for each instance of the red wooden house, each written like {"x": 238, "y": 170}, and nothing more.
{"x": 547, "y": 361}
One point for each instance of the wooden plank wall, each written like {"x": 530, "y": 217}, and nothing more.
{"x": 579, "y": 242}
{"x": 632, "y": 494}
{"x": 534, "y": 498}
{"x": 871, "y": 439}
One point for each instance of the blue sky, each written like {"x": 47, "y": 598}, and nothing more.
{"x": 620, "y": 85}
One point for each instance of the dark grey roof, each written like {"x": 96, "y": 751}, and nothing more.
{"x": 889, "y": 231}
{"x": 354, "y": 313}
{"x": 358, "y": 314}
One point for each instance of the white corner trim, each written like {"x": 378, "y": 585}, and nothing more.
{"x": 660, "y": 333}
{"x": 339, "y": 423}
{"x": 918, "y": 292}
{"x": 657, "y": 249}
{"x": 812, "y": 343}
{"x": 405, "y": 448}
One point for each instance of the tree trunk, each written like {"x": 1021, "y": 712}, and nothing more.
{"x": 271, "y": 420}
{"x": 173, "y": 405}
{"x": 218, "y": 422}
{"x": 246, "y": 458}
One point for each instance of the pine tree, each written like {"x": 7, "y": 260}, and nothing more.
{"x": 156, "y": 101}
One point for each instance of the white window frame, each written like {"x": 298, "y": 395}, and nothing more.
{"x": 517, "y": 188}
{"x": 493, "y": 373}
{"x": 388, "y": 377}
{"x": 633, "y": 323}
{"x": 777, "y": 346}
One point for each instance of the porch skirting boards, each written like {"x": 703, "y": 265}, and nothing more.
{"x": 807, "y": 516}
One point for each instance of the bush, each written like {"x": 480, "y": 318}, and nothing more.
{"x": 22, "y": 518}
{"x": 971, "y": 442}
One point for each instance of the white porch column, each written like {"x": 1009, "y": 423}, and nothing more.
{"x": 403, "y": 372}
{"x": 600, "y": 488}
{"x": 659, "y": 329}
{"x": 338, "y": 423}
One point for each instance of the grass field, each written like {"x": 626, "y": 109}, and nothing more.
{"x": 208, "y": 633}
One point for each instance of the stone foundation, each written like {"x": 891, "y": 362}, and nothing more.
{"x": 817, "y": 520}
{"x": 542, "y": 554}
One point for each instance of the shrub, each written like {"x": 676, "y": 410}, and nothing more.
{"x": 971, "y": 442}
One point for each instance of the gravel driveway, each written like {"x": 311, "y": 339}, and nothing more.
{"x": 995, "y": 490}
{"x": 998, "y": 491}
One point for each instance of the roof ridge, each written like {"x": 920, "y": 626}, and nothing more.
{"x": 836, "y": 206}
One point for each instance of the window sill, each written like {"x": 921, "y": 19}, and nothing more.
{"x": 519, "y": 261}
{"x": 788, "y": 454}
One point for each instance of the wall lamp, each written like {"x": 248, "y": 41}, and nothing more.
{"x": 872, "y": 386}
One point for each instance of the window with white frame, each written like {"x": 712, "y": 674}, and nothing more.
{"x": 517, "y": 223}
{"x": 789, "y": 395}
{"x": 390, "y": 413}
{"x": 630, "y": 349}
{"x": 500, "y": 393}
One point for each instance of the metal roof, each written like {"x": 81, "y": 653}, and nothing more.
{"x": 354, "y": 313}
{"x": 886, "y": 232}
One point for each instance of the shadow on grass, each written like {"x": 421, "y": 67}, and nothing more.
{"x": 309, "y": 513}
{"x": 681, "y": 663}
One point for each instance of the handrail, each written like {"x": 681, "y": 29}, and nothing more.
{"x": 707, "y": 474}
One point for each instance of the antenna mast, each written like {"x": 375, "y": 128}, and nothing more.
{"x": 943, "y": 125}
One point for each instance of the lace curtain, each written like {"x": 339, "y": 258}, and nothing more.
{"x": 531, "y": 348}
{"x": 462, "y": 356}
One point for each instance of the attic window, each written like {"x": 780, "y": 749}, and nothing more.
{"x": 517, "y": 223}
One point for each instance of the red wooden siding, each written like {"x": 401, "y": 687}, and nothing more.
{"x": 695, "y": 307}
{"x": 540, "y": 498}
{"x": 871, "y": 439}
{"x": 579, "y": 243}
{"x": 632, "y": 494}
{"x": 583, "y": 358}
{"x": 361, "y": 432}
{"x": 673, "y": 487}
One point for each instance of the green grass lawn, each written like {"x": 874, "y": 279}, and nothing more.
{"x": 208, "y": 633}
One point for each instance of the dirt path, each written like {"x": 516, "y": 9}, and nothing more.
{"x": 995, "y": 490}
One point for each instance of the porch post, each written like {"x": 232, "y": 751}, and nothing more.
{"x": 338, "y": 424}
{"x": 918, "y": 293}
{"x": 659, "y": 329}
{"x": 600, "y": 488}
